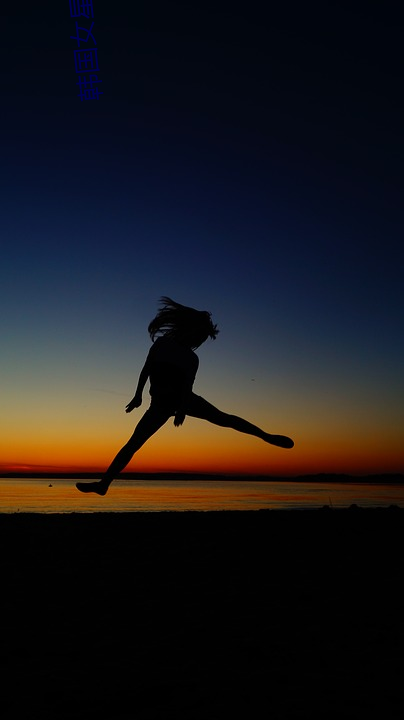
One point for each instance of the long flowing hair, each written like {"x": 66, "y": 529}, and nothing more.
{"x": 182, "y": 322}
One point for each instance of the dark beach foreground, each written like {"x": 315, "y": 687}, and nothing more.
{"x": 272, "y": 614}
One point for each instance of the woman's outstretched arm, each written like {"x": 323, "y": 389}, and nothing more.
{"x": 137, "y": 398}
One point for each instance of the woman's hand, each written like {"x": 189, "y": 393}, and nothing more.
{"x": 179, "y": 418}
{"x": 134, "y": 403}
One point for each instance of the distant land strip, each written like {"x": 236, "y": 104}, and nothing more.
{"x": 377, "y": 479}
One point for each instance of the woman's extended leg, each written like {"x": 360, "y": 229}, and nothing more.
{"x": 152, "y": 420}
{"x": 201, "y": 408}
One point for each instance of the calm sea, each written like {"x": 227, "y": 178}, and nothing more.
{"x": 61, "y": 496}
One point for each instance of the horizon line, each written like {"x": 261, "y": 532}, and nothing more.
{"x": 395, "y": 478}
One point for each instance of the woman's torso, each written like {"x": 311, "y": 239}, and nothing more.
{"x": 172, "y": 368}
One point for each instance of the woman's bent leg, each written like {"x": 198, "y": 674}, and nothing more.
{"x": 152, "y": 420}
{"x": 200, "y": 408}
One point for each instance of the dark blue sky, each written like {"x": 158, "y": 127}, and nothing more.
{"x": 244, "y": 160}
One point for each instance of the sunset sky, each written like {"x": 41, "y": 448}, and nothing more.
{"x": 245, "y": 161}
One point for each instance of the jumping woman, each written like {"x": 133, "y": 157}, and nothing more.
{"x": 171, "y": 367}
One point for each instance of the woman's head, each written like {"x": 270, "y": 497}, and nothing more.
{"x": 187, "y": 325}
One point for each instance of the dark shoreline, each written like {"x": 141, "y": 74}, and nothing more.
{"x": 247, "y": 514}
{"x": 195, "y": 615}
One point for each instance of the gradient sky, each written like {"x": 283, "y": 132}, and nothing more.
{"x": 245, "y": 161}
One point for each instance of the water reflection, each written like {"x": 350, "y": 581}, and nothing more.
{"x": 61, "y": 496}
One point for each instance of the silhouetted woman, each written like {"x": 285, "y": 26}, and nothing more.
{"x": 171, "y": 366}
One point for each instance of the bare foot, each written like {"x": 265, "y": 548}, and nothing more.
{"x": 100, "y": 487}
{"x": 280, "y": 441}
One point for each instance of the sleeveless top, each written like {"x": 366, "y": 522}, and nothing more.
{"x": 172, "y": 369}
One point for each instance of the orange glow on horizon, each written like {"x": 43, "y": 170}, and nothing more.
{"x": 202, "y": 448}
{"x": 276, "y": 466}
